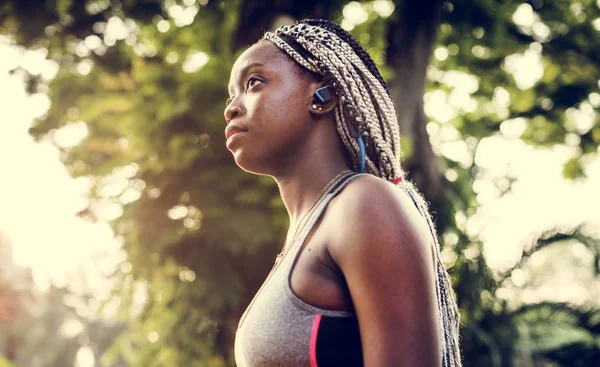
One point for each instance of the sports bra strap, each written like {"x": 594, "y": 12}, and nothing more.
{"x": 335, "y": 189}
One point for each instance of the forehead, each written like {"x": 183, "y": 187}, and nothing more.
{"x": 261, "y": 51}
{"x": 265, "y": 53}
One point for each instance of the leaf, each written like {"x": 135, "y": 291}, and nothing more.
{"x": 63, "y": 6}
{"x": 573, "y": 169}
{"x": 564, "y": 333}
{"x": 551, "y": 237}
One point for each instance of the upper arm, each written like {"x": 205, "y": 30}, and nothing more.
{"x": 384, "y": 249}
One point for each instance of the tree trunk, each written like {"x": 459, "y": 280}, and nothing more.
{"x": 257, "y": 17}
{"x": 411, "y": 35}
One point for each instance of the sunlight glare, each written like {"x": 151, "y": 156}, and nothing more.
{"x": 153, "y": 336}
{"x": 501, "y": 97}
{"x": 195, "y": 61}
{"x": 437, "y": 107}
{"x": 524, "y": 16}
{"x": 163, "y": 26}
{"x": 513, "y": 128}
{"x": 112, "y": 186}
{"x": 40, "y": 200}
{"x": 183, "y": 15}
{"x": 384, "y": 8}
{"x": 354, "y": 13}
{"x": 33, "y": 61}
{"x": 178, "y": 212}
{"x": 85, "y": 357}
{"x": 71, "y": 328}
{"x": 70, "y": 135}
{"x": 526, "y": 210}
{"x": 84, "y": 67}
{"x": 38, "y": 104}
{"x": 457, "y": 151}
{"x": 107, "y": 210}
{"x": 594, "y": 99}
{"x": 441, "y": 53}
{"x": 526, "y": 68}
{"x": 116, "y": 29}
{"x": 466, "y": 83}
{"x": 581, "y": 119}
{"x": 10, "y": 56}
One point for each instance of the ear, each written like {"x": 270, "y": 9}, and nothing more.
{"x": 324, "y": 99}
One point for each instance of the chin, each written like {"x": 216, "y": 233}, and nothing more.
{"x": 251, "y": 165}
{"x": 263, "y": 158}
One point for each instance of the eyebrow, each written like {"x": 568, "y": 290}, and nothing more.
{"x": 245, "y": 70}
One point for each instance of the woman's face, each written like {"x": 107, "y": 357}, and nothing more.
{"x": 270, "y": 101}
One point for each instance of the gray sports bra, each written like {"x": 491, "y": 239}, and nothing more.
{"x": 279, "y": 329}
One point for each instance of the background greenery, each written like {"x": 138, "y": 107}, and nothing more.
{"x": 148, "y": 79}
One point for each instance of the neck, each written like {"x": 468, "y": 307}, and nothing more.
{"x": 302, "y": 180}
{"x": 301, "y": 191}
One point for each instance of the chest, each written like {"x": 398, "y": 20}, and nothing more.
{"x": 315, "y": 278}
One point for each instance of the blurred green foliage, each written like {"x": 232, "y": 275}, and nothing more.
{"x": 149, "y": 77}
{"x": 47, "y": 329}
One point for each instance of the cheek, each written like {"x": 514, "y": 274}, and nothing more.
{"x": 276, "y": 111}
{"x": 292, "y": 105}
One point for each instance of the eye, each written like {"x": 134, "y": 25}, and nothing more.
{"x": 252, "y": 81}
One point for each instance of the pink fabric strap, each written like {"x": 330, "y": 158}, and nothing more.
{"x": 313, "y": 340}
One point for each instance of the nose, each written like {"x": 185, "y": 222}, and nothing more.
{"x": 233, "y": 110}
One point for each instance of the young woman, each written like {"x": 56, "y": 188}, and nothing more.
{"x": 359, "y": 281}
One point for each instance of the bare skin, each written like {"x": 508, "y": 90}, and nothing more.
{"x": 371, "y": 251}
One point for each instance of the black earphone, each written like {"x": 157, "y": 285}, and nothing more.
{"x": 324, "y": 94}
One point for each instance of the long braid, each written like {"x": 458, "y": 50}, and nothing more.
{"x": 323, "y": 47}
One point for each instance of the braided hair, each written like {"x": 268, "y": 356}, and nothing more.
{"x": 324, "y": 48}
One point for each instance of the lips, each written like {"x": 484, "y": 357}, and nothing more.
{"x": 231, "y": 130}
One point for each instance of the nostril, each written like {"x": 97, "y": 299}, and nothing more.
{"x": 233, "y": 111}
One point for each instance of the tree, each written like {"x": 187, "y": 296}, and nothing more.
{"x": 147, "y": 78}
{"x": 43, "y": 329}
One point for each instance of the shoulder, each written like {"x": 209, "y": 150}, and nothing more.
{"x": 370, "y": 207}
{"x": 384, "y": 249}
{"x": 371, "y": 192}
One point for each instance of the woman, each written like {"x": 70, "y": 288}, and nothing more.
{"x": 359, "y": 280}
